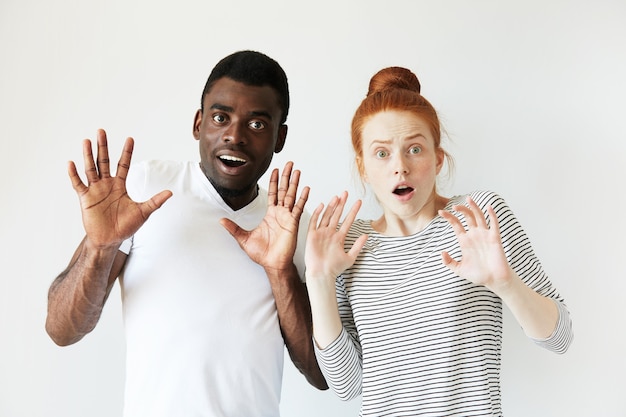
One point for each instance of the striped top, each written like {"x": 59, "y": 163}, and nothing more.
{"x": 417, "y": 340}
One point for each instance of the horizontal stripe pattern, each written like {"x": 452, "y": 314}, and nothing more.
{"x": 419, "y": 340}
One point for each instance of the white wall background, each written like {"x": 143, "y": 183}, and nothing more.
{"x": 531, "y": 92}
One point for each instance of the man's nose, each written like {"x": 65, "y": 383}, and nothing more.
{"x": 235, "y": 133}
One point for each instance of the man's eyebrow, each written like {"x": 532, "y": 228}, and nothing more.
{"x": 228, "y": 109}
{"x": 260, "y": 113}
{"x": 217, "y": 106}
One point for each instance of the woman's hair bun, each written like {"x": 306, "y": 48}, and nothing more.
{"x": 394, "y": 77}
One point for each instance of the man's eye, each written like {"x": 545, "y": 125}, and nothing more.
{"x": 219, "y": 118}
{"x": 382, "y": 154}
{"x": 256, "y": 125}
{"x": 415, "y": 150}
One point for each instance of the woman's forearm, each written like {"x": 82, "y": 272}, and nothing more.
{"x": 326, "y": 321}
{"x": 536, "y": 314}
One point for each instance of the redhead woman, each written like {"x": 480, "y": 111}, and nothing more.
{"x": 407, "y": 308}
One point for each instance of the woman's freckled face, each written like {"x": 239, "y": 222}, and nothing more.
{"x": 400, "y": 162}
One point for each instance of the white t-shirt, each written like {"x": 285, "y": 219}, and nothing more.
{"x": 202, "y": 331}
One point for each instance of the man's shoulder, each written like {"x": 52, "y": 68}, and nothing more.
{"x": 145, "y": 175}
{"x": 162, "y": 165}
{"x": 162, "y": 169}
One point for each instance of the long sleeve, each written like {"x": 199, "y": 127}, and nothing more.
{"x": 341, "y": 361}
{"x": 562, "y": 337}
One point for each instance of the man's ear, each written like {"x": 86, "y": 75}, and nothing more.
{"x": 280, "y": 140}
{"x": 197, "y": 121}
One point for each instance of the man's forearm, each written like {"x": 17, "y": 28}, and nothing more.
{"x": 77, "y": 295}
{"x": 294, "y": 315}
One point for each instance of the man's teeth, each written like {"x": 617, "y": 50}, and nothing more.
{"x": 232, "y": 158}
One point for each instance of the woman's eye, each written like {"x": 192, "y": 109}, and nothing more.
{"x": 382, "y": 154}
{"x": 415, "y": 150}
{"x": 256, "y": 125}
{"x": 219, "y": 118}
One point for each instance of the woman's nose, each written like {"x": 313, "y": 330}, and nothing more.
{"x": 400, "y": 166}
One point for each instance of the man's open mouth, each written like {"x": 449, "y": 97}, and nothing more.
{"x": 232, "y": 161}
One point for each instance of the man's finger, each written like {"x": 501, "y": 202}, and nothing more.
{"x": 273, "y": 188}
{"x": 77, "y": 183}
{"x": 150, "y": 206}
{"x": 235, "y": 231}
{"x": 90, "y": 166}
{"x": 285, "y": 179}
{"x": 292, "y": 191}
{"x": 104, "y": 167}
{"x": 298, "y": 208}
{"x": 123, "y": 164}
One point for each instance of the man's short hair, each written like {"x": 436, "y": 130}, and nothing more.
{"x": 255, "y": 69}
